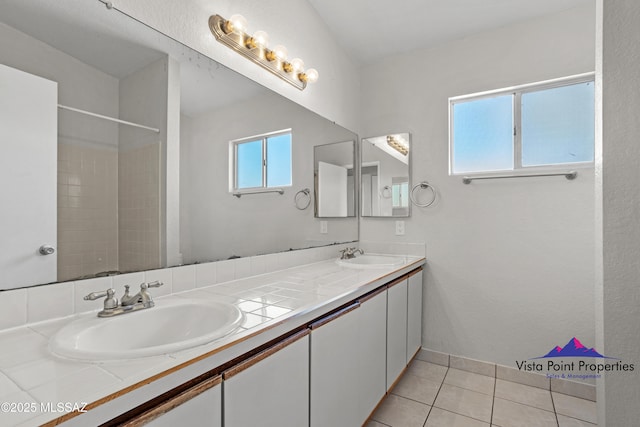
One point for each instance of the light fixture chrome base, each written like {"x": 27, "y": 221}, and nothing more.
{"x": 256, "y": 54}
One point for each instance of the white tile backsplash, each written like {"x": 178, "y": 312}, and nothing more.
{"x": 184, "y": 278}
{"x": 206, "y": 274}
{"x": 132, "y": 279}
{"x": 14, "y": 308}
{"x": 49, "y": 301}
{"x": 58, "y": 300}
{"x": 243, "y": 268}
{"x": 258, "y": 264}
{"x": 226, "y": 270}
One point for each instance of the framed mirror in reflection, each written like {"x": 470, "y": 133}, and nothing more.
{"x": 385, "y": 172}
{"x": 334, "y": 180}
{"x": 151, "y": 188}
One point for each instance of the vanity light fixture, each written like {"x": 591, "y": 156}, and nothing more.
{"x": 232, "y": 33}
{"x": 398, "y": 144}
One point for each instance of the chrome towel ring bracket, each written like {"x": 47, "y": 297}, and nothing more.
{"x": 385, "y": 193}
{"x": 302, "y": 199}
{"x": 424, "y": 185}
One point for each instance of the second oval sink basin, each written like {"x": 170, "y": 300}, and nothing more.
{"x": 172, "y": 325}
{"x": 372, "y": 261}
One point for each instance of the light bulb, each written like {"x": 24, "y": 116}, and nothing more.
{"x": 297, "y": 65}
{"x": 261, "y": 38}
{"x": 237, "y": 24}
{"x": 280, "y": 52}
{"x": 312, "y": 75}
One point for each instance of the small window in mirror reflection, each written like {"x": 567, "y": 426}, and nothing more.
{"x": 262, "y": 161}
{"x": 400, "y": 195}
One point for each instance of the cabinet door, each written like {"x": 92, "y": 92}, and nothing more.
{"x": 372, "y": 350}
{"x": 414, "y": 315}
{"x": 198, "y": 406}
{"x": 334, "y": 370}
{"x": 396, "y": 330}
{"x": 272, "y": 388}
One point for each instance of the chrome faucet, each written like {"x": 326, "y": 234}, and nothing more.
{"x": 142, "y": 297}
{"x": 350, "y": 253}
{"x": 127, "y": 303}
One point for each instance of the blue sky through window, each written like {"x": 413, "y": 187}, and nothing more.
{"x": 558, "y": 125}
{"x": 267, "y": 158}
{"x": 483, "y": 134}
{"x": 249, "y": 164}
{"x": 279, "y": 160}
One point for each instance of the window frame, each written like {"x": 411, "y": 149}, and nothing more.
{"x": 233, "y": 161}
{"x": 517, "y": 92}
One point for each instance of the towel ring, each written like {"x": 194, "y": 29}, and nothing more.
{"x": 299, "y": 198}
{"x": 385, "y": 193}
{"x": 423, "y": 185}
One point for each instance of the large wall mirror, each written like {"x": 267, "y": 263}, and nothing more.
{"x": 334, "y": 174}
{"x": 385, "y": 173}
{"x": 151, "y": 189}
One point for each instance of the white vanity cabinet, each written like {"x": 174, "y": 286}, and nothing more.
{"x": 396, "y": 329}
{"x": 414, "y": 314}
{"x": 334, "y": 361}
{"x": 331, "y": 371}
{"x": 199, "y": 406}
{"x": 270, "y": 388}
{"x": 372, "y": 351}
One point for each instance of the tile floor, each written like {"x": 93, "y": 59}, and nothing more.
{"x": 432, "y": 395}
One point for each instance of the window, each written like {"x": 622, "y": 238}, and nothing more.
{"x": 262, "y": 161}
{"x": 539, "y": 125}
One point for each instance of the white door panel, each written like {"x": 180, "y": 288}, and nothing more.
{"x": 28, "y": 177}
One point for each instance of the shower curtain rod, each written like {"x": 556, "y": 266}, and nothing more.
{"x": 100, "y": 116}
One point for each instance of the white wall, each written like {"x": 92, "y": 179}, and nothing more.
{"x": 293, "y": 23}
{"x": 618, "y": 203}
{"x": 510, "y": 262}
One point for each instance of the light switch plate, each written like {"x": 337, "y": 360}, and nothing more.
{"x": 324, "y": 229}
{"x": 399, "y": 228}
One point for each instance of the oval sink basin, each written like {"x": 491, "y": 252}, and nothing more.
{"x": 372, "y": 261}
{"x": 172, "y": 325}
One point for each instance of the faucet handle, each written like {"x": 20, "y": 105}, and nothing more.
{"x": 110, "y": 302}
{"x": 155, "y": 284}
{"x": 95, "y": 295}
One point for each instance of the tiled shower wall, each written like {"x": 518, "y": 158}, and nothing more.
{"x": 87, "y": 210}
{"x": 139, "y": 208}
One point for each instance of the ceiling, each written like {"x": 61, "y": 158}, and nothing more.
{"x": 371, "y": 29}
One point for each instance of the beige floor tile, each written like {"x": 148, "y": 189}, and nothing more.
{"x": 564, "y": 421}
{"x": 511, "y": 414}
{"x": 574, "y": 407}
{"x": 417, "y": 388}
{"x": 373, "y": 423}
{"x": 470, "y": 381}
{"x": 397, "y": 411}
{"x": 464, "y": 402}
{"x": 441, "y": 418}
{"x": 429, "y": 371}
{"x": 527, "y": 395}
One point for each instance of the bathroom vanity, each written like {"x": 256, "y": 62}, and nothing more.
{"x": 326, "y": 355}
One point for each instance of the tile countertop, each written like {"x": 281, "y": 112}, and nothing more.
{"x": 37, "y": 387}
